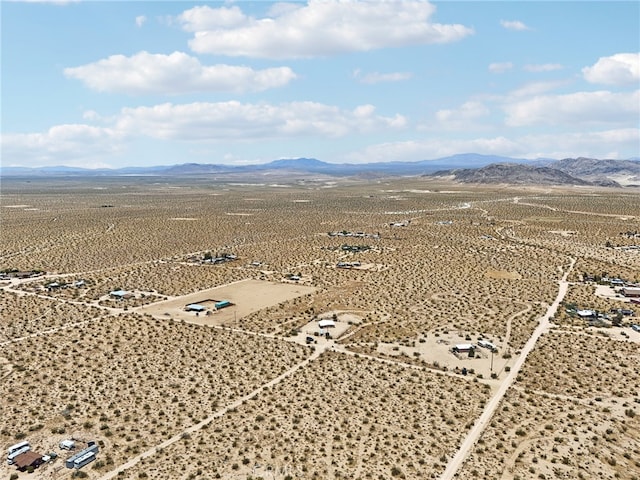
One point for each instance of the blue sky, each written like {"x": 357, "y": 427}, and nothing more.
{"x": 119, "y": 83}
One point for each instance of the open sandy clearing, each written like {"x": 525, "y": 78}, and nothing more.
{"x": 564, "y": 233}
{"x": 503, "y": 274}
{"x": 247, "y": 296}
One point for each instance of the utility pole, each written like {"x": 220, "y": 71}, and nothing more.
{"x": 492, "y": 360}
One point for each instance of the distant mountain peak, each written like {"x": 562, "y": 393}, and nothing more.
{"x": 297, "y": 163}
{"x": 514, "y": 174}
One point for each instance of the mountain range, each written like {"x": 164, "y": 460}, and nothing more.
{"x": 570, "y": 171}
{"x": 466, "y": 168}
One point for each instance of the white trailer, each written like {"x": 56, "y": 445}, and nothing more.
{"x": 17, "y": 446}
{"x": 487, "y": 344}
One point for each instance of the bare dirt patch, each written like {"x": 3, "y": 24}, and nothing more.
{"x": 503, "y": 274}
{"x": 563, "y": 233}
{"x": 247, "y": 296}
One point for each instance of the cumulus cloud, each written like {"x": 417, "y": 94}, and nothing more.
{"x": 516, "y": 25}
{"x": 376, "y": 77}
{"x": 177, "y": 73}
{"x": 71, "y": 144}
{"x": 537, "y": 88}
{"x": 462, "y": 117}
{"x": 416, "y": 150}
{"x": 580, "y": 108}
{"x": 91, "y": 115}
{"x": 204, "y": 18}
{"x": 194, "y": 122}
{"x": 140, "y": 20}
{"x": 235, "y": 120}
{"x": 597, "y": 144}
{"x": 319, "y": 28}
{"x": 545, "y": 67}
{"x": 619, "y": 69}
{"x": 500, "y": 67}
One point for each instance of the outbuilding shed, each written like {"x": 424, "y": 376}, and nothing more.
{"x": 463, "y": 347}
{"x": 326, "y": 324}
{"x": 28, "y": 459}
{"x": 67, "y": 444}
{"x": 120, "y": 294}
{"x": 631, "y": 291}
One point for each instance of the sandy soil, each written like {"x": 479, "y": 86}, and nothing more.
{"x": 247, "y": 296}
{"x": 238, "y": 394}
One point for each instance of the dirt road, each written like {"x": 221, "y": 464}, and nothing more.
{"x": 194, "y": 428}
{"x": 474, "y": 434}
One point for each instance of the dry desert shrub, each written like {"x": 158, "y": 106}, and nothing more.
{"x": 536, "y": 435}
{"x": 340, "y": 417}
{"x": 22, "y": 315}
{"x": 132, "y": 381}
{"x": 583, "y": 366}
{"x": 477, "y": 261}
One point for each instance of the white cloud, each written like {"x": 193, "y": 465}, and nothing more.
{"x": 195, "y": 122}
{"x": 416, "y": 150}
{"x": 140, "y": 20}
{"x": 545, "y": 67}
{"x": 376, "y": 77}
{"x": 462, "y": 117}
{"x": 597, "y": 144}
{"x": 618, "y": 69}
{"x": 537, "y": 88}
{"x": 173, "y": 74}
{"x": 204, "y": 18}
{"x": 281, "y": 8}
{"x": 237, "y": 121}
{"x": 516, "y": 25}
{"x": 580, "y": 108}
{"x": 320, "y": 28}
{"x": 71, "y": 144}
{"x": 500, "y": 67}
{"x": 91, "y": 115}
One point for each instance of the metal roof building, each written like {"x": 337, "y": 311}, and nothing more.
{"x": 326, "y": 323}
{"x": 194, "y": 307}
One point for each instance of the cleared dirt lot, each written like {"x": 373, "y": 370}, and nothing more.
{"x": 247, "y": 296}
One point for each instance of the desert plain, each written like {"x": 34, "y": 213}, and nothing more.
{"x": 306, "y": 328}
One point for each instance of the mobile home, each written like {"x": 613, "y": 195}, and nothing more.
{"x": 81, "y": 458}
{"x": 84, "y": 459}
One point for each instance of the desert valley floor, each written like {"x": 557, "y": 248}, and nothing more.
{"x": 320, "y": 329}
